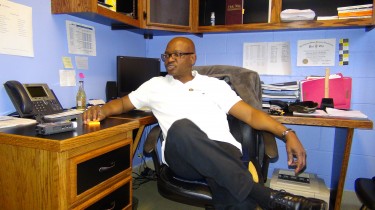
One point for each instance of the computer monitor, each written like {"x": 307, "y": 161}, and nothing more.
{"x": 132, "y": 72}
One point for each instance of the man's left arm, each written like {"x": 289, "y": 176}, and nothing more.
{"x": 261, "y": 121}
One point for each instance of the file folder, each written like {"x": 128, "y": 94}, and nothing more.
{"x": 340, "y": 89}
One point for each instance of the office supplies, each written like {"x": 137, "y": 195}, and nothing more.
{"x": 326, "y": 101}
{"x": 95, "y": 102}
{"x": 94, "y": 123}
{"x": 32, "y": 99}
{"x": 340, "y": 89}
{"x": 9, "y": 121}
{"x": 54, "y": 127}
{"x": 305, "y": 184}
{"x": 63, "y": 116}
{"x": 38, "y": 100}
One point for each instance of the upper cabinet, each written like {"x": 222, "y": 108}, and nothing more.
{"x": 194, "y": 16}
{"x": 265, "y": 15}
{"x": 92, "y": 10}
{"x": 170, "y": 15}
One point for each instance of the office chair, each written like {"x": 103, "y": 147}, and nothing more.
{"x": 258, "y": 147}
{"x": 365, "y": 190}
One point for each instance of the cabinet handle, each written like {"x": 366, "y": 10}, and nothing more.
{"x": 113, "y": 206}
{"x": 106, "y": 168}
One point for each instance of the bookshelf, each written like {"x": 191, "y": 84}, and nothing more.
{"x": 196, "y": 16}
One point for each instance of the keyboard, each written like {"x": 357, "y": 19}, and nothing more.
{"x": 67, "y": 113}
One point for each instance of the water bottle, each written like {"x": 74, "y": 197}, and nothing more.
{"x": 212, "y": 18}
{"x": 81, "y": 97}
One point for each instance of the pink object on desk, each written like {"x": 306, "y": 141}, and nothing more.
{"x": 340, "y": 89}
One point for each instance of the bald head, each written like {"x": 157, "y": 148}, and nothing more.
{"x": 183, "y": 42}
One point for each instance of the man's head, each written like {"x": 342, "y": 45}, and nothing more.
{"x": 179, "y": 58}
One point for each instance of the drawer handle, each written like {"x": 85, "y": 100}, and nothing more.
{"x": 113, "y": 206}
{"x": 106, "y": 168}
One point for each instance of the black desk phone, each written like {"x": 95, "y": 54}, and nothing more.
{"x": 32, "y": 99}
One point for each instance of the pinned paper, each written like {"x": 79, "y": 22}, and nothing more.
{"x": 67, "y": 62}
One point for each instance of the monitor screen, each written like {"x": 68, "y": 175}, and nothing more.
{"x": 132, "y": 72}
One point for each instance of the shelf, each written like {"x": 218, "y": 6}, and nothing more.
{"x": 90, "y": 10}
{"x": 347, "y": 23}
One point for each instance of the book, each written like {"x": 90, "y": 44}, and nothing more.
{"x": 355, "y": 7}
{"x": 366, "y": 12}
{"x": 234, "y": 12}
{"x": 355, "y": 17}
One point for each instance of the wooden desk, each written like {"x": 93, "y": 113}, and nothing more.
{"x": 343, "y": 126}
{"x": 81, "y": 169}
{"x": 144, "y": 118}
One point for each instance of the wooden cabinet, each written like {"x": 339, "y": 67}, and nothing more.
{"x": 276, "y": 24}
{"x": 85, "y": 169}
{"x": 91, "y": 10}
{"x": 190, "y": 15}
{"x": 170, "y": 15}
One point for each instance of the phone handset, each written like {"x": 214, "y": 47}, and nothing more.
{"x": 19, "y": 97}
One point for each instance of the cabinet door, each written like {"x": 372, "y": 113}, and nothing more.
{"x": 169, "y": 14}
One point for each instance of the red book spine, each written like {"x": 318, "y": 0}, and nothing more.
{"x": 233, "y": 12}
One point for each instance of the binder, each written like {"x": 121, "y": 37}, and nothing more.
{"x": 340, "y": 89}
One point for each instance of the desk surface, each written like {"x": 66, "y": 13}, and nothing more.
{"x": 326, "y": 122}
{"x": 82, "y": 135}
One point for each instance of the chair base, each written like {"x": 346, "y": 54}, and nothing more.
{"x": 365, "y": 190}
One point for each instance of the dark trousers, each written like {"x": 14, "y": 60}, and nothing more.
{"x": 192, "y": 155}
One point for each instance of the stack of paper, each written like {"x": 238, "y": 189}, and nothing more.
{"x": 356, "y": 11}
{"x": 287, "y": 92}
{"x": 8, "y": 121}
{"x": 335, "y": 113}
{"x": 297, "y": 14}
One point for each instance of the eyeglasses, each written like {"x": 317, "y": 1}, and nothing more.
{"x": 174, "y": 55}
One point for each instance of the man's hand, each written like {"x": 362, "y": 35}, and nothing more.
{"x": 296, "y": 153}
{"x": 94, "y": 113}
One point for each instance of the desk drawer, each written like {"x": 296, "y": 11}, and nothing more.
{"x": 98, "y": 169}
{"x": 118, "y": 196}
{"x": 118, "y": 199}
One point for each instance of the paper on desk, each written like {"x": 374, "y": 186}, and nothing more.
{"x": 335, "y": 113}
{"x": 8, "y": 121}
{"x": 344, "y": 113}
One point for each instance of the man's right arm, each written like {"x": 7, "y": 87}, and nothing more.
{"x": 114, "y": 107}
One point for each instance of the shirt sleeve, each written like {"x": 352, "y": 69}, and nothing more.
{"x": 227, "y": 97}
{"x": 140, "y": 97}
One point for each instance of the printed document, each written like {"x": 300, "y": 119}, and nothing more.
{"x": 267, "y": 58}
{"x": 81, "y": 38}
{"x": 16, "y": 29}
{"x": 320, "y": 52}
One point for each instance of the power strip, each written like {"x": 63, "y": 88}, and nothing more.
{"x": 54, "y": 127}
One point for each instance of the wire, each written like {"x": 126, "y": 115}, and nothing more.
{"x": 144, "y": 175}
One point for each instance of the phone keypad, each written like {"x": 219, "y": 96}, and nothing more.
{"x": 47, "y": 106}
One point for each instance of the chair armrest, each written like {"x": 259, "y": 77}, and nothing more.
{"x": 152, "y": 140}
{"x": 150, "y": 147}
{"x": 270, "y": 146}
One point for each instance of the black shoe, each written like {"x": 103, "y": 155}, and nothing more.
{"x": 283, "y": 200}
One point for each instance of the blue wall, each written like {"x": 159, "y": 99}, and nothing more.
{"x": 50, "y": 44}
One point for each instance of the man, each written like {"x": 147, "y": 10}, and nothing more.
{"x": 192, "y": 112}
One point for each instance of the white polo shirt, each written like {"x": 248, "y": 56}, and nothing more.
{"x": 203, "y": 100}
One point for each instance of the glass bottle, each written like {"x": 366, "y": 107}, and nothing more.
{"x": 212, "y": 18}
{"x": 81, "y": 97}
